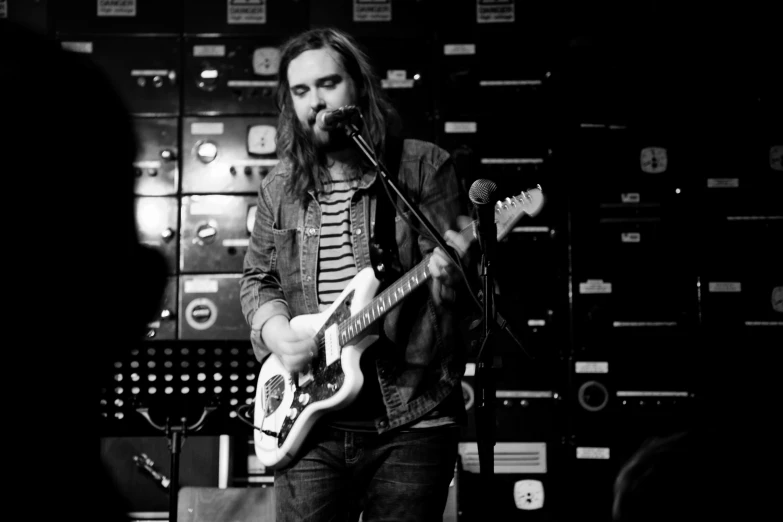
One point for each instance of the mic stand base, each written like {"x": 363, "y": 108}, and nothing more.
{"x": 176, "y": 435}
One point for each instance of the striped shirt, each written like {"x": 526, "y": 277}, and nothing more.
{"x": 336, "y": 265}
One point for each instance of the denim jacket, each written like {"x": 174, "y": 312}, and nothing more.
{"x": 280, "y": 276}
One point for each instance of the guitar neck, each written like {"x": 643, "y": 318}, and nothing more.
{"x": 392, "y": 295}
{"x": 507, "y": 213}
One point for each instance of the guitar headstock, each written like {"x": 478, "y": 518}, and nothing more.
{"x": 511, "y": 210}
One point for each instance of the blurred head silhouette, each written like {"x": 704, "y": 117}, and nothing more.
{"x": 68, "y": 165}
{"x": 81, "y": 285}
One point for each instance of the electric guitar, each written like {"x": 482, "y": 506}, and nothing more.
{"x": 287, "y": 405}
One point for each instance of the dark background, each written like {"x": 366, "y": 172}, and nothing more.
{"x": 646, "y": 294}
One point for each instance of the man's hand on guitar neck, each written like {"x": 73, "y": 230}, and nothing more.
{"x": 444, "y": 273}
{"x": 294, "y": 349}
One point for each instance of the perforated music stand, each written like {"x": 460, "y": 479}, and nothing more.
{"x": 178, "y": 388}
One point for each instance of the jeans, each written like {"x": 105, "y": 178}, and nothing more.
{"x": 388, "y": 477}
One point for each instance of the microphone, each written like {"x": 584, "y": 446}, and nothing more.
{"x": 482, "y": 195}
{"x": 327, "y": 120}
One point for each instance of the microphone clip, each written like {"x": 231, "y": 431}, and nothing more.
{"x": 338, "y": 118}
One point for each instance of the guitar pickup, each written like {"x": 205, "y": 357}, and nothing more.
{"x": 332, "y": 343}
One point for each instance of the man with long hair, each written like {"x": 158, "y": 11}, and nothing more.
{"x": 391, "y": 452}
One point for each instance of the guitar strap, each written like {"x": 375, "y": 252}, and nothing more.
{"x": 383, "y": 245}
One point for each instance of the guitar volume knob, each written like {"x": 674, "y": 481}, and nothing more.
{"x": 304, "y": 398}
{"x": 292, "y": 413}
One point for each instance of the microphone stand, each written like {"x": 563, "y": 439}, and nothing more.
{"x": 176, "y": 434}
{"x": 486, "y": 398}
{"x": 485, "y": 383}
{"x": 354, "y": 133}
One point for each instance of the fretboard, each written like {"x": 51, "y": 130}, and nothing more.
{"x": 384, "y": 302}
{"x": 391, "y": 297}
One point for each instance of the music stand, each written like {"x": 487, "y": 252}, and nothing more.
{"x": 177, "y": 388}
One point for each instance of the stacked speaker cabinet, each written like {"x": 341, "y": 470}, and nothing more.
{"x": 493, "y": 116}
{"x": 227, "y": 153}
{"x": 741, "y": 281}
{"x": 137, "y": 45}
{"x": 157, "y": 207}
{"x": 157, "y": 160}
{"x": 634, "y": 285}
{"x": 157, "y": 223}
{"x": 231, "y": 56}
{"x": 215, "y": 232}
{"x": 145, "y": 70}
{"x": 231, "y": 75}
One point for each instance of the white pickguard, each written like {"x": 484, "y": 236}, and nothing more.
{"x": 364, "y": 287}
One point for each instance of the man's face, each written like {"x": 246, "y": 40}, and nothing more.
{"x": 318, "y": 81}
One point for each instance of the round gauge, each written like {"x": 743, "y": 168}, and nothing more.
{"x": 266, "y": 61}
{"x": 261, "y": 139}
{"x": 593, "y": 396}
{"x": 653, "y": 160}
{"x": 529, "y": 494}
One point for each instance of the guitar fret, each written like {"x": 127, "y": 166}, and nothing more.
{"x": 384, "y": 302}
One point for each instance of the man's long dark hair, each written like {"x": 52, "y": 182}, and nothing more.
{"x": 294, "y": 145}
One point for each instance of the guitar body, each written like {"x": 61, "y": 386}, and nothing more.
{"x": 288, "y": 405}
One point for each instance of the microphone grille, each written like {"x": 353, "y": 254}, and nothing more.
{"x": 482, "y": 191}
